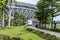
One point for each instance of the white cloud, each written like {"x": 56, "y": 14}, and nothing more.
{"x": 28, "y": 1}
{"x": 57, "y": 18}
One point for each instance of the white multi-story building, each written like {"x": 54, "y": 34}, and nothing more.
{"x": 24, "y": 8}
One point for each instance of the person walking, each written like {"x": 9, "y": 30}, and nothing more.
{"x": 54, "y": 24}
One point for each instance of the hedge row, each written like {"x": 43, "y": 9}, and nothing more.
{"x": 43, "y": 35}
{"x": 55, "y": 30}
{"x": 4, "y": 37}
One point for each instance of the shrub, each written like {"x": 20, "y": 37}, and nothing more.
{"x": 0, "y": 36}
{"x": 17, "y": 38}
{"x": 51, "y": 37}
{"x": 56, "y": 30}
{"x": 30, "y": 39}
{"x": 43, "y": 35}
{"x": 6, "y": 37}
{"x": 36, "y": 32}
{"x": 29, "y": 29}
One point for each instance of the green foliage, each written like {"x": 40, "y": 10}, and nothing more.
{"x": 47, "y": 9}
{"x": 47, "y": 28}
{"x": 3, "y": 4}
{"x": 0, "y": 17}
{"x": 42, "y": 13}
{"x": 43, "y": 35}
{"x": 19, "y": 32}
{"x": 18, "y": 19}
{"x": 4, "y": 37}
{"x": 3, "y": 9}
{"x": 6, "y": 19}
{"x": 16, "y": 38}
{"x": 15, "y": 2}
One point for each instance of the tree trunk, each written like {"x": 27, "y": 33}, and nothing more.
{"x": 42, "y": 23}
{"x": 45, "y": 22}
{"x": 3, "y": 20}
{"x": 9, "y": 19}
{"x": 52, "y": 22}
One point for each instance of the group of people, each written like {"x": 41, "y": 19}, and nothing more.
{"x": 54, "y": 24}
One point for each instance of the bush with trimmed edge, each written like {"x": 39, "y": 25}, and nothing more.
{"x": 15, "y": 38}
{"x": 4, "y": 37}
{"x": 43, "y": 35}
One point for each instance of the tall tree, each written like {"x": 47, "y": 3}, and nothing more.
{"x": 3, "y": 9}
{"x": 47, "y": 8}
{"x": 10, "y": 3}
{"x": 54, "y": 9}
{"x": 42, "y": 13}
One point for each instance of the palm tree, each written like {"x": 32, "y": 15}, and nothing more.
{"x": 10, "y": 2}
{"x": 3, "y": 8}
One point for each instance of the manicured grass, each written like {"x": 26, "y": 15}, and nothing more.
{"x": 20, "y": 31}
{"x": 57, "y": 26}
{"x": 48, "y": 27}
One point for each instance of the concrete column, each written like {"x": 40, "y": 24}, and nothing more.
{"x": 12, "y": 2}
{"x": 12, "y": 13}
{"x": 22, "y": 11}
{"x": 16, "y": 10}
{"x": 29, "y": 14}
{"x": 25, "y": 12}
{"x": 33, "y": 15}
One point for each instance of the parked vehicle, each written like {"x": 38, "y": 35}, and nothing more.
{"x": 29, "y": 23}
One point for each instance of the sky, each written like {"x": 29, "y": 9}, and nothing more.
{"x": 29, "y": 1}
{"x": 35, "y": 2}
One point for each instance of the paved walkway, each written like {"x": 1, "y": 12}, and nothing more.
{"x": 46, "y": 31}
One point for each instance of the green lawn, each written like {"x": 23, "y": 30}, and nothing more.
{"x": 58, "y": 27}
{"x": 20, "y": 32}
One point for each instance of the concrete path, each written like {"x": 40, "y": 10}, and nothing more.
{"x": 46, "y": 31}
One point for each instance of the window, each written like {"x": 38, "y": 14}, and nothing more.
{"x": 25, "y": 6}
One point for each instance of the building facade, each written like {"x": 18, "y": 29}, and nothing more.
{"x": 27, "y": 10}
